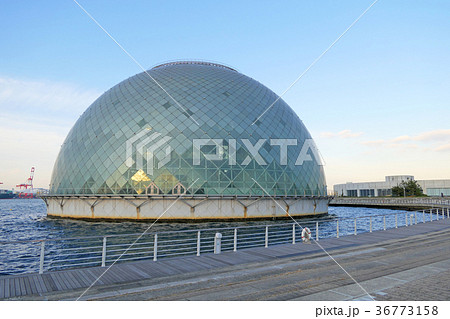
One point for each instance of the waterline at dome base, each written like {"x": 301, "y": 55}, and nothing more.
{"x": 192, "y": 208}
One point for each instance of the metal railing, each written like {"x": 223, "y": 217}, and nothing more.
{"x": 64, "y": 253}
{"x": 414, "y": 201}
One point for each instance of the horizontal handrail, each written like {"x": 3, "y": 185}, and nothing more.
{"x": 301, "y": 222}
{"x": 200, "y": 241}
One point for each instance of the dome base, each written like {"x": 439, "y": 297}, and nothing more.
{"x": 146, "y": 208}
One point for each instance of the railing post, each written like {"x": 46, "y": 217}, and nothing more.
{"x": 443, "y": 214}
{"x": 370, "y": 223}
{"x": 266, "y": 244}
{"x": 104, "y": 252}
{"x": 235, "y": 240}
{"x": 384, "y": 222}
{"x": 437, "y": 213}
{"x": 217, "y": 243}
{"x": 355, "y": 227}
{"x": 155, "y": 248}
{"x": 198, "y": 243}
{"x": 423, "y": 216}
{"x": 41, "y": 261}
{"x": 396, "y": 220}
{"x": 415, "y": 218}
{"x": 431, "y": 215}
{"x": 448, "y": 212}
{"x": 293, "y": 234}
{"x": 317, "y": 231}
{"x": 337, "y": 228}
{"x": 411, "y": 219}
{"x": 406, "y": 219}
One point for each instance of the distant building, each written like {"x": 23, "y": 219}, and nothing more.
{"x": 438, "y": 187}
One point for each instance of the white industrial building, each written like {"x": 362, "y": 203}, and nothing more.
{"x": 438, "y": 187}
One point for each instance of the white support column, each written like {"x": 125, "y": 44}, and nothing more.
{"x": 317, "y": 231}
{"x": 104, "y": 252}
{"x": 198, "y": 243}
{"x": 235, "y": 240}
{"x": 155, "y": 248}
{"x": 218, "y": 243}
{"x": 266, "y": 244}
{"x": 355, "y": 227}
{"x": 293, "y": 234}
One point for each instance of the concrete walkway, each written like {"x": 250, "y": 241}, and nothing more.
{"x": 382, "y": 262}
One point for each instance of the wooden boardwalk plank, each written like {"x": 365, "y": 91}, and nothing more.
{"x": 39, "y": 283}
{"x": 92, "y": 272}
{"x": 2, "y": 289}
{"x": 167, "y": 269}
{"x": 7, "y": 288}
{"x": 138, "y": 271}
{"x": 27, "y": 286}
{"x": 59, "y": 284}
{"x": 86, "y": 275}
{"x": 197, "y": 263}
{"x": 33, "y": 284}
{"x": 115, "y": 274}
{"x": 72, "y": 280}
{"x": 180, "y": 265}
{"x": 130, "y": 272}
{"x": 17, "y": 291}
{"x": 81, "y": 279}
{"x": 49, "y": 282}
{"x": 124, "y": 274}
{"x": 151, "y": 270}
{"x": 112, "y": 276}
{"x": 63, "y": 280}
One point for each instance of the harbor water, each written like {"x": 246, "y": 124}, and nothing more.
{"x": 25, "y": 219}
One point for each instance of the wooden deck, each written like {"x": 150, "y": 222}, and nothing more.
{"x": 68, "y": 280}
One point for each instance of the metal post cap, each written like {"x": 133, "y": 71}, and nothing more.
{"x": 218, "y": 235}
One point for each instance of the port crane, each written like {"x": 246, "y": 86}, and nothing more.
{"x": 27, "y": 185}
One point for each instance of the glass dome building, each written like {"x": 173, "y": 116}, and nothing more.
{"x": 222, "y": 141}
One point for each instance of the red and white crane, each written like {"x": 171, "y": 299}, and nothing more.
{"x": 27, "y": 185}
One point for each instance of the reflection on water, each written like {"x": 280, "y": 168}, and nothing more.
{"x": 25, "y": 219}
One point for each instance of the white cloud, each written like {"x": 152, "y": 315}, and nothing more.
{"x": 35, "y": 117}
{"x": 341, "y": 134}
{"x": 431, "y": 136}
{"x": 437, "y": 140}
{"x": 43, "y": 96}
{"x": 443, "y": 148}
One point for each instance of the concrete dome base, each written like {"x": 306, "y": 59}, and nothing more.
{"x": 166, "y": 208}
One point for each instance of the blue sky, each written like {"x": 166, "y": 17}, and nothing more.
{"x": 378, "y": 103}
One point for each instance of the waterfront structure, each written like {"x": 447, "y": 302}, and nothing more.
{"x": 7, "y": 194}
{"x": 193, "y": 129}
{"x": 436, "y": 187}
